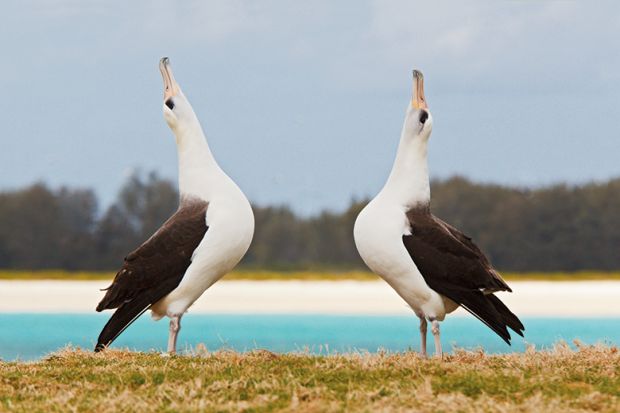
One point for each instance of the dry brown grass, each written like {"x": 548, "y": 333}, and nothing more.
{"x": 562, "y": 380}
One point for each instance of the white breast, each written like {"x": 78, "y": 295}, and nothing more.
{"x": 230, "y": 224}
{"x": 378, "y": 233}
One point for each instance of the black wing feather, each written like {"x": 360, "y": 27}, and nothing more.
{"x": 153, "y": 270}
{"x": 455, "y": 267}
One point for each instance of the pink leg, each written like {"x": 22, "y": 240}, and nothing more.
{"x": 423, "y": 331}
{"x": 175, "y": 327}
{"x": 435, "y": 331}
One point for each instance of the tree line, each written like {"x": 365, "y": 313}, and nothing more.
{"x": 555, "y": 228}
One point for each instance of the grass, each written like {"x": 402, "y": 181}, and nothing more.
{"x": 322, "y": 275}
{"x": 560, "y": 380}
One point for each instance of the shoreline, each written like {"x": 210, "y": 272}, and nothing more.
{"x": 578, "y": 299}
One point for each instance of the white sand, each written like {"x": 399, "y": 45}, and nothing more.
{"x": 530, "y": 298}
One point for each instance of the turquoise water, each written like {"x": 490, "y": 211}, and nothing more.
{"x": 32, "y": 336}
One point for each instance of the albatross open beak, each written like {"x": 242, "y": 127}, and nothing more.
{"x": 418, "y": 101}
{"x": 171, "y": 88}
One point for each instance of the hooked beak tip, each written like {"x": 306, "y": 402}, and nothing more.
{"x": 418, "y": 100}
{"x": 171, "y": 88}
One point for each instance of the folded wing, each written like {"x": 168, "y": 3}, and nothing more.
{"x": 455, "y": 267}
{"x": 153, "y": 270}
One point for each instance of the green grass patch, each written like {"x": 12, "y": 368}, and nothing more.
{"x": 559, "y": 380}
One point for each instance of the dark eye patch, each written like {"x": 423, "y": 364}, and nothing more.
{"x": 423, "y": 116}
{"x": 170, "y": 103}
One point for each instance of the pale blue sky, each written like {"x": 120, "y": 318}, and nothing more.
{"x": 303, "y": 102}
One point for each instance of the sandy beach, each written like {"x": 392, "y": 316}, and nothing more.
{"x": 530, "y": 298}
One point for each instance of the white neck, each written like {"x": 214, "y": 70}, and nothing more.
{"x": 199, "y": 173}
{"x": 408, "y": 183}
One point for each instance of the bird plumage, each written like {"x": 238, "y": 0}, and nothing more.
{"x": 206, "y": 237}
{"x": 154, "y": 269}
{"x": 433, "y": 266}
{"x": 456, "y": 268}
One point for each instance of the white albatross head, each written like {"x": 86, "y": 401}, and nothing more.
{"x": 178, "y": 112}
{"x": 418, "y": 120}
{"x": 199, "y": 174}
{"x": 408, "y": 183}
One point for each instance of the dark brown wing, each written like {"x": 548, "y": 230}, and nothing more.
{"x": 154, "y": 269}
{"x": 455, "y": 267}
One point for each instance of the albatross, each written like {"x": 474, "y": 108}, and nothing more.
{"x": 203, "y": 240}
{"x": 434, "y": 267}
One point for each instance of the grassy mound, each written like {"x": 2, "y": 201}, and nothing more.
{"x": 560, "y": 380}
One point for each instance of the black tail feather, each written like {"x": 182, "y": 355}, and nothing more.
{"x": 121, "y": 319}
{"x": 490, "y": 321}
{"x": 510, "y": 319}
{"x": 129, "y": 312}
{"x": 493, "y": 313}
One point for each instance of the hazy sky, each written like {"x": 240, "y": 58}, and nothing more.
{"x": 303, "y": 102}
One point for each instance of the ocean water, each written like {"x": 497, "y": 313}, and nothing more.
{"x": 33, "y": 336}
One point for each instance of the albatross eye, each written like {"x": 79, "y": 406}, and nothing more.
{"x": 170, "y": 103}
{"x": 423, "y": 116}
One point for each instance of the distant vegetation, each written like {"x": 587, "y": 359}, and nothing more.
{"x": 557, "y": 381}
{"x": 558, "y": 228}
